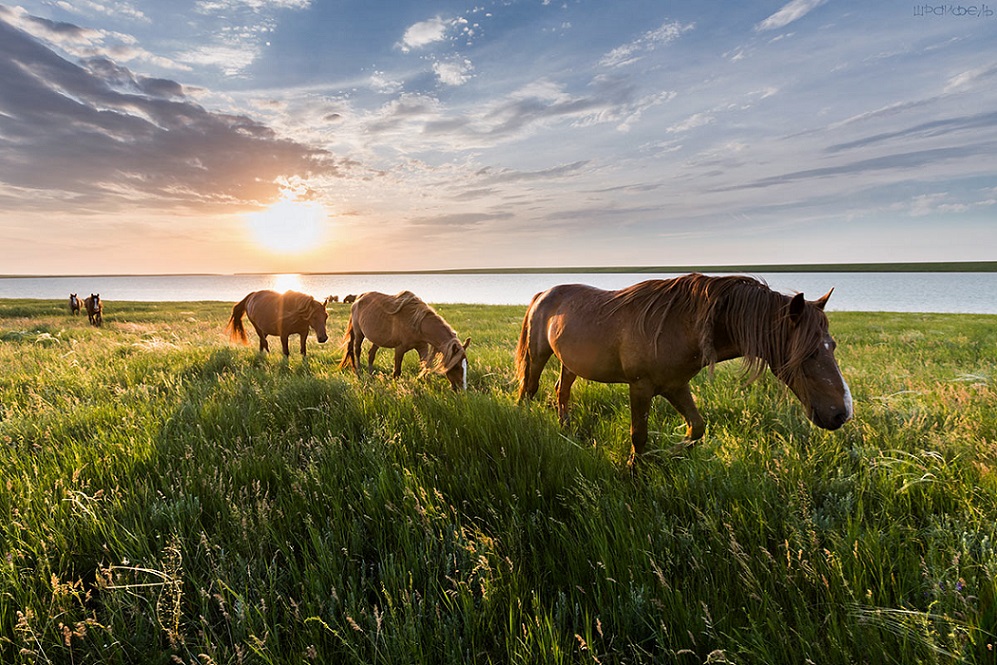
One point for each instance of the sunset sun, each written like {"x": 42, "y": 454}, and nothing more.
{"x": 288, "y": 226}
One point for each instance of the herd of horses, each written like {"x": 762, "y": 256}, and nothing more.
{"x": 95, "y": 309}
{"x": 654, "y": 336}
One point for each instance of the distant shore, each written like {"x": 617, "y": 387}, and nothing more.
{"x": 934, "y": 266}
{"x": 940, "y": 266}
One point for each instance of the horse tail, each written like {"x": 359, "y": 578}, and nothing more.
{"x": 235, "y": 329}
{"x": 348, "y": 360}
{"x": 523, "y": 350}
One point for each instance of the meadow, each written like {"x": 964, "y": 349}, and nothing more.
{"x": 167, "y": 497}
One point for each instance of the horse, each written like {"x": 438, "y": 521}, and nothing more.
{"x": 74, "y": 304}
{"x": 330, "y": 299}
{"x": 658, "y": 334}
{"x": 404, "y": 322}
{"x": 95, "y": 309}
{"x": 279, "y": 314}
{"x": 350, "y": 299}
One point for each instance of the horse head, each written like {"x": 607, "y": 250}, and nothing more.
{"x": 317, "y": 317}
{"x": 810, "y": 369}
{"x": 455, "y": 362}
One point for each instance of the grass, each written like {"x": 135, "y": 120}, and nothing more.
{"x": 166, "y": 497}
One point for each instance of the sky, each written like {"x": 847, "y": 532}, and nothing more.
{"x": 220, "y": 136}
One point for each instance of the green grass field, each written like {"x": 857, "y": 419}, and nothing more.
{"x": 166, "y": 497}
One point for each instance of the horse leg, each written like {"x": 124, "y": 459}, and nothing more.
{"x": 304, "y": 338}
{"x": 563, "y": 390}
{"x": 640, "y": 407}
{"x": 681, "y": 399}
{"x": 284, "y": 340}
{"x": 399, "y": 354}
{"x": 538, "y": 355}
{"x": 370, "y": 357}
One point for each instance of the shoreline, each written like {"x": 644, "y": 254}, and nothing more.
{"x": 932, "y": 266}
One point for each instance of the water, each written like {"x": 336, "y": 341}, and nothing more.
{"x": 865, "y": 292}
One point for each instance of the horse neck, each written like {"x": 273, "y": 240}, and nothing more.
{"x": 743, "y": 329}
{"x": 436, "y": 331}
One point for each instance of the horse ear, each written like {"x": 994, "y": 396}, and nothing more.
{"x": 796, "y": 306}
{"x": 467, "y": 343}
{"x": 820, "y": 302}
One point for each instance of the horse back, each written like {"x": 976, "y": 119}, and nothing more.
{"x": 384, "y": 320}
{"x": 605, "y": 336}
{"x": 276, "y": 313}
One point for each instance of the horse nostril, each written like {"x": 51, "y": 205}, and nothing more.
{"x": 838, "y": 419}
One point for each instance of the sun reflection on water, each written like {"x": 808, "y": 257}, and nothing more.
{"x": 286, "y": 282}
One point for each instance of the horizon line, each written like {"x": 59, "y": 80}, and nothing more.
{"x": 900, "y": 266}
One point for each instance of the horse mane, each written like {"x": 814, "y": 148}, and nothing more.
{"x": 407, "y": 304}
{"x": 295, "y": 301}
{"x": 752, "y": 315}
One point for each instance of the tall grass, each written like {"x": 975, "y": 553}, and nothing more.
{"x": 166, "y": 497}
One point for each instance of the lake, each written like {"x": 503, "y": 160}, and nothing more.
{"x": 962, "y": 292}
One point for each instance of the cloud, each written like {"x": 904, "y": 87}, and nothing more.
{"x": 105, "y": 138}
{"x": 221, "y": 6}
{"x": 460, "y": 220}
{"x": 973, "y": 123}
{"x": 84, "y": 42}
{"x": 379, "y": 82}
{"x": 423, "y": 34}
{"x": 630, "y": 53}
{"x": 905, "y": 161}
{"x": 789, "y": 13}
{"x": 971, "y": 79}
{"x": 115, "y": 9}
{"x": 453, "y": 72}
{"x": 489, "y": 176}
{"x": 692, "y": 122}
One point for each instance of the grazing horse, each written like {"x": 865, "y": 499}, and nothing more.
{"x": 95, "y": 309}
{"x": 657, "y": 335}
{"x": 349, "y": 299}
{"x": 404, "y": 322}
{"x": 330, "y": 299}
{"x": 74, "y": 304}
{"x": 279, "y": 314}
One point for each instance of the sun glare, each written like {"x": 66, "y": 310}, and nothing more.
{"x": 288, "y": 226}
{"x": 286, "y": 282}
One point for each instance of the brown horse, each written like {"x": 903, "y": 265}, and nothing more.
{"x": 657, "y": 335}
{"x": 404, "y": 322}
{"x": 280, "y": 314}
{"x": 74, "y": 304}
{"x": 95, "y": 309}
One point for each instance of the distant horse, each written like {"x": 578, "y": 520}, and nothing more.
{"x": 657, "y": 335}
{"x": 404, "y": 322}
{"x": 349, "y": 299}
{"x": 279, "y": 314}
{"x": 330, "y": 299}
{"x": 95, "y": 309}
{"x": 74, "y": 304}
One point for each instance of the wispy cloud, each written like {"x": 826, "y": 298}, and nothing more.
{"x": 633, "y": 51}
{"x": 116, "y": 9}
{"x": 789, "y": 13}
{"x": 692, "y": 122}
{"x": 85, "y": 42}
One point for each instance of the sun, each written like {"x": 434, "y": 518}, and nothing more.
{"x": 288, "y": 226}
